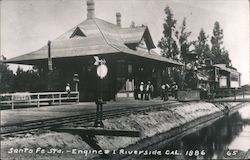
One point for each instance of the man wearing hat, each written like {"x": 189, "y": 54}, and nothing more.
{"x": 167, "y": 87}
{"x": 141, "y": 88}
{"x": 174, "y": 89}
{"x": 67, "y": 88}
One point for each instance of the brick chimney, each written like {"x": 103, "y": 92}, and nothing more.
{"x": 118, "y": 19}
{"x": 90, "y": 9}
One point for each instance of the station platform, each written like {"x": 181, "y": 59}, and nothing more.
{"x": 56, "y": 111}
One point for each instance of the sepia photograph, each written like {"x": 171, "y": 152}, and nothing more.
{"x": 124, "y": 79}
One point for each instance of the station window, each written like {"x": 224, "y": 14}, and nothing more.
{"x": 121, "y": 70}
{"x": 121, "y": 76}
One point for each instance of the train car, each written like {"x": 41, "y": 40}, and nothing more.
{"x": 210, "y": 81}
{"x": 227, "y": 80}
{"x": 223, "y": 80}
{"x": 228, "y": 77}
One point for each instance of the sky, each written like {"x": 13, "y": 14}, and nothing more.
{"x": 27, "y": 25}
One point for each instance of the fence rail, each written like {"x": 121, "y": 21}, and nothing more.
{"x": 37, "y": 98}
{"x": 220, "y": 93}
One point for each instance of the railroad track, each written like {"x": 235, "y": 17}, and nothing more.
{"x": 15, "y": 129}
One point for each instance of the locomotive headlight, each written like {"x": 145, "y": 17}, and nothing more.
{"x": 189, "y": 66}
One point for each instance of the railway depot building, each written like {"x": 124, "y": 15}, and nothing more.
{"x": 127, "y": 51}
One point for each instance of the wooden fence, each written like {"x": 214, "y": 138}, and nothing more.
{"x": 37, "y": 98}
{"x": 230, "y": 92}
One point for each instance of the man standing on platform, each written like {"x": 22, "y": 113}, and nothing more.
{"x": 166, "y": 92}
{"x": 67, "y": 88}
{"x": 148, "y": 93}
{"x": 141, "y": 88}
{"x": 174, "y": 90}
{"x": 163, "y": 91}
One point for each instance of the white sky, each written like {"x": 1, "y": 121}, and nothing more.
{"x": 27, "y": 25}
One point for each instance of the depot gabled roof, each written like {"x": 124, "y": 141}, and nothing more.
{"x": 94, "y": 37}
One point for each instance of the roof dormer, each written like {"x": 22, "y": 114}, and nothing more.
{"x": 77, "y": 33}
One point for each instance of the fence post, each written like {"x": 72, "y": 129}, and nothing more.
{"x": 235, "y": 94}
{"x": 77, "y": 101}
{"x": 53, "y": 100}
{"x": 12, "y": 102}
{"x": 38, "y": 100}
{"x": 243, "y": 94}
{"x": 60, "y": 101}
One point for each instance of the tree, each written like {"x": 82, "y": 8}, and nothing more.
{"x": 183, "y": 40}
{"x": 224, "y": 58}
{"x": 27, "y": 80}
{"x": 21, "y": 81}
{"x": 220, "y": 54}
{"x": 167, "y": 43}
{"x": 6, "y": 78}
{"x": 202, "y": 48}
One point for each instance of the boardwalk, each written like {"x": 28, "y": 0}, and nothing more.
{"x": 48, "y": 112}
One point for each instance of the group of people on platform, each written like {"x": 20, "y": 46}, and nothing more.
{"x": 146, "y": 91}
{"x": 166, "y": 88}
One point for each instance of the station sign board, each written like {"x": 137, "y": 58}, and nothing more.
{"x": 102, "y": 71}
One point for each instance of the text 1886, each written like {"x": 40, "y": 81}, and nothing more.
{"x": 195, "y": 153}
